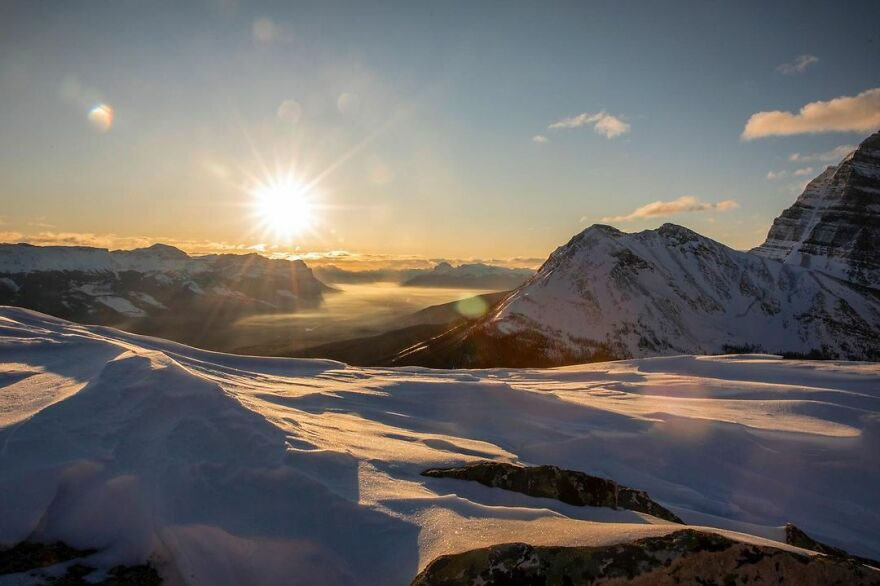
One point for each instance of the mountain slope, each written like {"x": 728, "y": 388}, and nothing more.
{"x": 158, "y": 290}
{"x": 607, "y": 294}
{"x": 226, "y": 469}
{"x": 834, "y": 226}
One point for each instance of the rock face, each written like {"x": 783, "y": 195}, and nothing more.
{"x": 609, "y": 295}
{"x": 569, "y": 486}
{"x": 683, "y": 557}
{"x": 796, "y": 536}
{"x": 834, "y": 226}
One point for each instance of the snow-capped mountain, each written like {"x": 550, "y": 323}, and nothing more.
{"x": 471, "y": 275}
{"x": 811, "y": 289}
{"x": 96, "y": 285}
{"x": 834, "y": 226}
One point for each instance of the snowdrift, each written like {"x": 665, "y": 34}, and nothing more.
{"x": 226, "y": 469}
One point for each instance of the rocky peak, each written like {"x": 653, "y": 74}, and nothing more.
{"x": 834, "y": 226}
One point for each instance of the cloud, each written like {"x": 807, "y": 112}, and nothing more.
{"x": 799, "y": 65}
{"x": 540, "y": 139}
{"x": 774, "y": 175}
{"x": 685, "y": 203}
{"x": 265, "y": 31}
{"x": 803, "y": 172}
{"x": 603, "y": 123}
{"x": 832, "y": 156}
{"x": 859, "y": 113}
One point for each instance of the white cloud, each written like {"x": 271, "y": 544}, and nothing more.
{"x": 773, "y": 175}
{"x": 859, "y": 113}
{"x": 540, "y": 139}
{"x": 603, "y": 123}
{"x": 799, "y": 65}
{"x": 832, "y": 156}
{"x": 803, "y": 172}
{"x": 685, "y": 203}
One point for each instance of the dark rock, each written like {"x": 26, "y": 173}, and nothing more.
{"x": 834, "y": 226}
{"x": 569, "y": 486}
{"x": 31, "y": 557}
{"x": 796, "y": 536}
{"x": 682, "y": 557}
{"x": 27, "y": 556}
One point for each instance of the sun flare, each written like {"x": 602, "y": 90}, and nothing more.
{"x": 284, "y": 207}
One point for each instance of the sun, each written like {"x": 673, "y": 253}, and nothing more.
{"x": 284, "y": 207}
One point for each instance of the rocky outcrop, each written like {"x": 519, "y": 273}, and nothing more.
{"x": 797, "y": 537}
{"x": 27, "y": 560}
{"x": 834, "y": 226}
{"x": 682, "y": 557}
{"x": 569, "y": 486}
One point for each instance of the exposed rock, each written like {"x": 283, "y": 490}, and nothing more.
{"x": 834, "y": 226}
{"x": 682, "y": 557}
{"x": 569, "y": 486}
{"x": 796, "y": 536}
{"x": 28, "y": 557}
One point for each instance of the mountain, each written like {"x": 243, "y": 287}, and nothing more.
{"x": 400, "y": 334}
{"x": 611, "y": 295}
{"x": 834, "y": 226}
{"x": 226, "y": 470}
{"x": 465, "y": 276}
{"x": 470, "y": 276}
{"x": 159, "y": 290}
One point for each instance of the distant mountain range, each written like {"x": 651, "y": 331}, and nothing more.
{"x": 158, "y": 290}
{"x": 811, "y": 289}
{"x": 470, "y": 276}
{"x": 464, "y": 276}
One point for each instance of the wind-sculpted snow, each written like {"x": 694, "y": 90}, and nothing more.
{"x": 237, "y": 470}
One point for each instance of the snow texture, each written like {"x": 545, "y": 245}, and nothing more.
{"x": 228, "y": 469}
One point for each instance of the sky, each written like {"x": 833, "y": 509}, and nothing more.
{"x": 421, "y": 130}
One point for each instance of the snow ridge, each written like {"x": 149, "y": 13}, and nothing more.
{"x": 229, "y": 469}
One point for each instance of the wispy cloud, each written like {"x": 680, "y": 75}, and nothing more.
{"x": 774, "y": 175}
{"x": 832, "y": 156}
{"x": 685, "y": 203}
{"x": 799, "y": 65}
{"x": 859, "y": 113}
{"x": 803, "y": 172}
{"x": 266, "y": 31}
{"x": 540, "y": 139}
{"x": 603, "y": 123}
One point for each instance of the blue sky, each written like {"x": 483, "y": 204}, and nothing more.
{"x": 414, "y": 124}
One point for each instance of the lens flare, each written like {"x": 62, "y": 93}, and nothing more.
{"x": 284, "y": 207}
{"x": 101, "y": 117}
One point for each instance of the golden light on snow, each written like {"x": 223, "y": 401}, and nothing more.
{"x": 283, "y": 206}
{"x": 101, "y": 117}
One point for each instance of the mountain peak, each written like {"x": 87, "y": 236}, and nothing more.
{"x": 164, "y": 251}
{"x": 834, "y": 225}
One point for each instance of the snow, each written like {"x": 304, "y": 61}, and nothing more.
{"x": 681, "y": 292}
{"x": 231, "y": 469}
{"x": 122, "y": 305}
{"x": 148, "y": 299}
